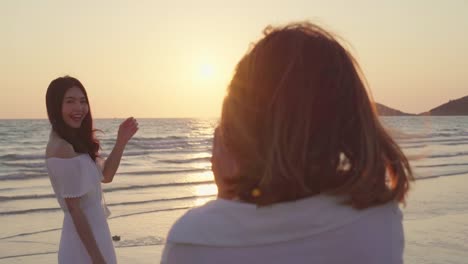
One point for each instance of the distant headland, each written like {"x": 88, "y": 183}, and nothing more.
{"x": 457, "y": 107}
{"x": 388, "y": 111}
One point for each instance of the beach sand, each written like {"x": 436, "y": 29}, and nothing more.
{"x": 436, "y": 221}
{"x": 436, "y": 229}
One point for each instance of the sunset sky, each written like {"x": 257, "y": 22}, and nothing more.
{"x": 175, "y": 58}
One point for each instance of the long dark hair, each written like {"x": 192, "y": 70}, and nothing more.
{"x": 83, "y": 138}
{"x": 299, "y": 122}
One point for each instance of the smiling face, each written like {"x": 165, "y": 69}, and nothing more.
{"x": 74, "y": 107}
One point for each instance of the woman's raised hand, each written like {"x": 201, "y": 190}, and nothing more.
{"x": 127, "y": 129}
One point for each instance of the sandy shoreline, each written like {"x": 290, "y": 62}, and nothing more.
{"x": 436, "y": 229}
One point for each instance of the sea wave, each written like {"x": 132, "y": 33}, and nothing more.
{"x": 15, "y": 157}
{"x": 455, "y": 173}
{"x": 145, "y": 139}
{"x": 169, "y": 142}
{"x": 111, "y": 189}
{"x": 448, "y": 155}
{"x": 436, "y": 135}
{"x": 37, "y": 174}
{"x": 413, "y": 146}
{"x": 183, "y": 161}
{"x": 441, "y": 165}
{"x": 55, "y": 209}
{"x": 22, "y": 176}
{"x": 151, "y": 151}
{"x": 157, "y": 172}
{"x": 160, "y": 200}
{"x": 434, "y": 141}
{"x": 24, "y": 165}
{"x": 139, "y": 242}
{"x": 456, "y": 143}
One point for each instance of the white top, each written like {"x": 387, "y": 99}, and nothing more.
{"x": 312, "y": 230}
{"x": 76, "y": 177}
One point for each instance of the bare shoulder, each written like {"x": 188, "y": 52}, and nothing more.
{"x": 59, "y": 148}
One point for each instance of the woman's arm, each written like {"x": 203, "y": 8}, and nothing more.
{"x": 84, "y": 230}
{"x": 127, "y": 129}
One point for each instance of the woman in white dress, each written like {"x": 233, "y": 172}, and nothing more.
{"x": 76, "y": 172}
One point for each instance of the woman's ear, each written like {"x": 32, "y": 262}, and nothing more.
{"x": 225, "y": 168}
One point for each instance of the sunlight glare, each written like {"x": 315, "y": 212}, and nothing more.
{"x": 205, "y": 189}
{"x": 207, "y": 71}
{"x": 206, "y": 193}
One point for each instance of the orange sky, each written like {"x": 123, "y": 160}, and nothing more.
{"x": 161, "y": 59}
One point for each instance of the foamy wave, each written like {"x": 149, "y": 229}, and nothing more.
{"x": 153, "y": 211}
{"x": 441, "y": 165}
{"x": 456, "y": 143}
{"x": 136, "y": 153}
{"x": 138, "y": 139}
{"x": 14, "y": 157}
{"x": 152, "y": 150}
{"x": 139, "y": 242}
{"x": 146, "y": 186}
{"x": 183, "y": 161}
{"x": 28, "y": 211}
{"x": 21, "y": 176}
{"x": 24, "y": 165}
{"x": 26, "y": 197}
{"x": 442, "y": 175}
{"x": 31, "y": 233}
{"x": 161, "y": 200}
{"x": 170, "y": 143}
{"x": 43, "y": 174}
{"x": 414, "y": 136}
{"x": 413, "y": 146}
{"x": 433, "y": 141}
{"x": 55, "y": 209}
{"x": 448, "y": 155}
{"x": 157, "y": 172}
{"x": 116, "y": 189}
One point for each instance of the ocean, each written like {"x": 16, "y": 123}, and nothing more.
{"x": 166, "y": 170}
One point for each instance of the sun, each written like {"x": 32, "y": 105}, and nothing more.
{"x": 207, "y": 70}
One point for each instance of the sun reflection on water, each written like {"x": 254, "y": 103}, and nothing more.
{"x": 207, "y": 192}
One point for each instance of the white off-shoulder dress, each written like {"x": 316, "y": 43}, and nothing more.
{"x": 80, "y": 177}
